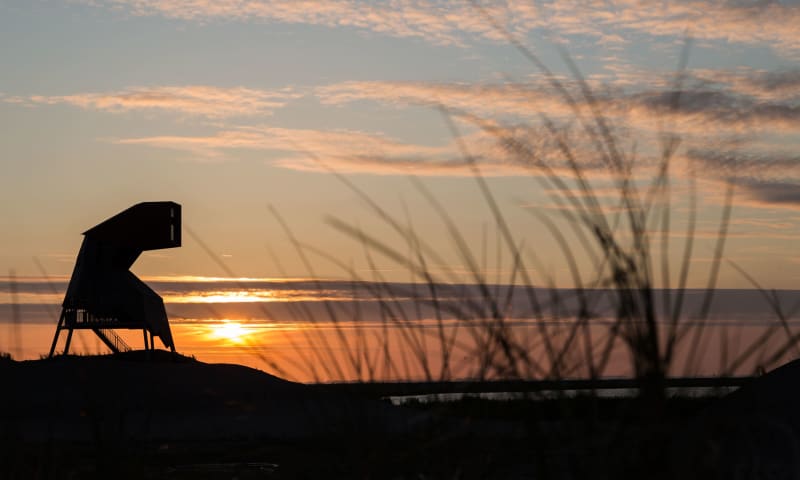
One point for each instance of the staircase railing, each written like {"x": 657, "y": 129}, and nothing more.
{"x": 112, "y": 340}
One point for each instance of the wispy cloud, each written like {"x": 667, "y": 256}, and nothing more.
{"x": 772, "y": 193}
{"x": 720, "y": 113}
{"x": 763, "y": 178}
{"x": 777, "y": 85}
{"x": 724, "y": 108}
{"x": 715, "y": 119}
{"x": 717, "y": 114}
{"x": 436, "y": 21}
{"x": 754, "y": 165}
{"x": 767, "y": 22}
{"x": 521, "y": 99}
{"x": 304, "y": 149}
{"x": 291, "y": 140}
{"x": 346, "y": 151}
{"x": 760, "y": 100}
{"x": 207, "y": 101}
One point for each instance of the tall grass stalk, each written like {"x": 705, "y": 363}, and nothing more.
{"x": 628, "y": 245}
{"x": 625, "y": 268}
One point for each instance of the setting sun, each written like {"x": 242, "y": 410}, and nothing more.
{"x": 231, "y": 331}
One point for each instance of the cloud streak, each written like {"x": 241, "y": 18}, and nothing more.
{"x": 728, "y": 121}
{"x": 346, "y": 151}
{"x": 736, "y": 103}
{"x": 303, "y": 149}
{"x": 435, "y": 21}
{"x": 735, "y": 108}
{"x": 778, "y": 85}
{"x": 199, "y": 100}
{"x": 646, "y": 107}
{"x": 767, "y": 22}
{"x": 719, "y": 113}
{"x": 765, "y": 178}
{"x": 773, "y": 192}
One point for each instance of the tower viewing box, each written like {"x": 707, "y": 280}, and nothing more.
{"x": 103, "y": 294}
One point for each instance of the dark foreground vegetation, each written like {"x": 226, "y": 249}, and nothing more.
{"x": 161, "y": 415}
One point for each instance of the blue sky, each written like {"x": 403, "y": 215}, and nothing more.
{"x": 218, "y": 104}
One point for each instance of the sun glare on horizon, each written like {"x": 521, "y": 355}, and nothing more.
{"x": 220, "y": 296}
{"x": 232, "y": 332}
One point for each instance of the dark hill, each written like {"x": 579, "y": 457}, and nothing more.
{"x": 753, "y": 432}
{"x": 159, "y": 415}
{"x": 159, "y": 395}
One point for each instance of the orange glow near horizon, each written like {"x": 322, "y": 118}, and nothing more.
{"x": 207, "y": 279}
{"x": 346, "y": 351}
{"x": 237, "y": 296}
{"x": 230, "y": 332}
{"x": 252, "y": 296}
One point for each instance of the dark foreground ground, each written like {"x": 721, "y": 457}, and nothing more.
{"x": 167, "y": 416}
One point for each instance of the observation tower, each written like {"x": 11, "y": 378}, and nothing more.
{"x": 104, "y": 295}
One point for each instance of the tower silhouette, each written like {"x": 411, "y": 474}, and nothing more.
{"x": 103, "y": 294}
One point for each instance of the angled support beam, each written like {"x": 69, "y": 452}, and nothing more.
{"x": 58, "y": 332}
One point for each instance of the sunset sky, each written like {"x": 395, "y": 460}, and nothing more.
{"x": 225, "y": 106}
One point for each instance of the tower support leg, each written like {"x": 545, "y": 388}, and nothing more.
{"x": 69, "y": 340}
{"x": 58, "y": 332}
